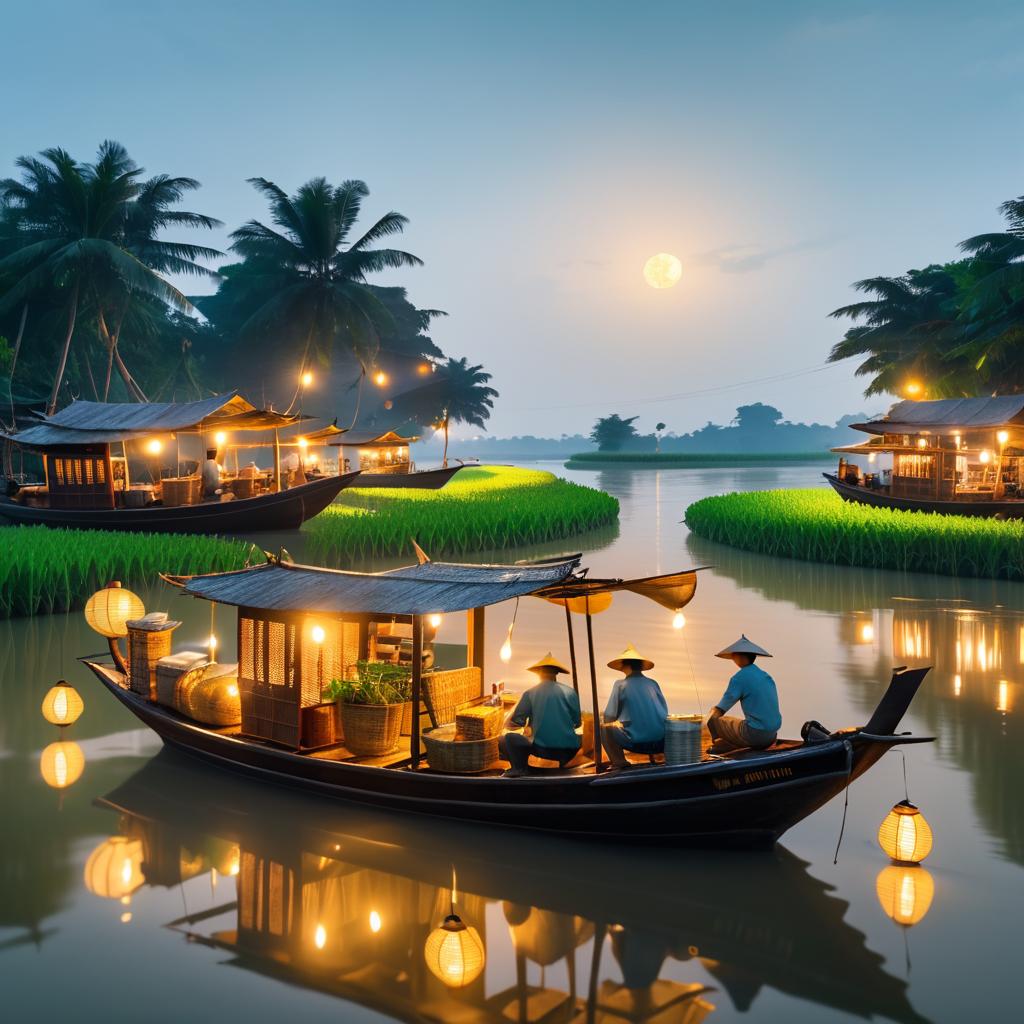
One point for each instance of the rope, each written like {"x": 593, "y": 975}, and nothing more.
{"x": 906, "y": 792}
{"x": 693, "y": 675}
{"x": 842, "y": 827}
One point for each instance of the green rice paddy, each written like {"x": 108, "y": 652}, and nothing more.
{"x": 818, "y": 526}
{"x": 44, "y": 570}
{"x": 696, "y": 460}
{"x": 481, "y": 508}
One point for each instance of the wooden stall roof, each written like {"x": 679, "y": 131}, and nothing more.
{"x": 107, "y": 422}
{"x": 413, "y": 590}
{"x": 368, "y": 438}
{"x": 948, "y": 415}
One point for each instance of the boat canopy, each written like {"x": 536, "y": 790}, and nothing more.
{"x": 432, "y": 587}
{"x": 370, "y": 438}
{"x": 83, "y": 423}
{"x": 948, "y": 414}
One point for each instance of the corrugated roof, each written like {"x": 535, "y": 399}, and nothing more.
{"x": 413, "y": 590}
{"x": 948, "y": 413}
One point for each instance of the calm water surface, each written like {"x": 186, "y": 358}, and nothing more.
{"x": 156, "y": 889}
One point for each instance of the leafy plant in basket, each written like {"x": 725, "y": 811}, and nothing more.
{"x": 376, "y": 682}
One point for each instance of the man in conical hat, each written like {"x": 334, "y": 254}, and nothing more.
{"x": 552, "y": 711}
{"x": 635, "y": 712}
{"x": 755, "y": 691}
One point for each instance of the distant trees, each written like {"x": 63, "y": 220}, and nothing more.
{"x": 612, "y": 432}
{"x": 658, "y": 428}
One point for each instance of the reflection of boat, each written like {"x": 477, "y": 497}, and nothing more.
{"x": 748, "y": 798}
{"x": 357, "y": 892}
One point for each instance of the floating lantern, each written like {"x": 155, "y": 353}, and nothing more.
{"x": 454, "y": 952}
{"x": 678, "y": 620}
{"x": 114, "y": 869}
{"x": 904, "y": 835}
{"x": 62, "y": 704}
{"x": 905, "y": 893}
{"x": 375, "y": 922}
{"x": 435, "y": 620}
{"x": 110, "y": 610}
{"x": 61, "y": 764}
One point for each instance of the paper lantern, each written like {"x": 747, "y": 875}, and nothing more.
{"x": 905, "y": 892}
{"x": 110, "y": 610}
{"x": 904, "y": 835}
{"x": 454, "y": 953}
{"x": 114, "y": 869}
{"x": 62, "y": 764}
{"x": 62, "y": 704}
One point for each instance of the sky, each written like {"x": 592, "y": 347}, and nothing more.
{"x": 544, "y": 150}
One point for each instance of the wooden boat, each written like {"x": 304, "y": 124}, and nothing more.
{"x": 299, "y": 625}
{"x": 958, "y": 456}
{"x": 426, "y": 479}
{"x": 88, "y": 451}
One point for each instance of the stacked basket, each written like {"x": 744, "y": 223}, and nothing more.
{"x": 683, "y": 735}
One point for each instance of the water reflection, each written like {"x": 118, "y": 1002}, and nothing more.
{"x": 353, "y": 903}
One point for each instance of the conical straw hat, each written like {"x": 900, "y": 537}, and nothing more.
{"x": 630, "y": 654}
{"x": 547, "y": 662}
{"x": 742, "y": 646}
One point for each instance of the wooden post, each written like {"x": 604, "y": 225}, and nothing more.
{"x": 417, "y": 679}
{"x": 277, "y": 462}
{"x": 593, "y": 691}
{"x": 572, "y": 648}
{"x": 475, "y": 638}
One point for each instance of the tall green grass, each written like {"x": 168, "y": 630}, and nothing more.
{"x": 818, "y": 526}
{"x": 698, "y": 460}
{"x": 479, "y": 509}
{"x": 44, "y": 570}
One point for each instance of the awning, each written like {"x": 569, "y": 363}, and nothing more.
{"x": 363, "y": 438}
{"x": 948, "y": 415}
{"x": 672, "y": 591}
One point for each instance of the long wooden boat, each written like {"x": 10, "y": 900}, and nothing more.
{"x": 424, "y": 479}
{"x": 878, "y": 498}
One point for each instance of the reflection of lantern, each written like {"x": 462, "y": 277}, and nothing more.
{"x": 62, "y": 764}
{"x": 114, "y": 869}
{"x": 905, "y": 893}
{"x": 110, "y": 610}
{"x": 455, "y": 953}
{"x": 62, "y": 704}
{"x": 904, "y": 835}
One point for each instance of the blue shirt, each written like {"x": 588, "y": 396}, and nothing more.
{"x": 552, "y": 710}
{"x": 639, "y": 706}
{"x": 755, "y": 690}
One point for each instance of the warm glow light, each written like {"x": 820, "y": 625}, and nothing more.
{"x": 867, "y": 633}
{"x": 922, "y": 442}
{"x": 984, "y": 456}
{"x": 212, "y": 644}
{"x": 663, "y": 270}
{"x": 957, "y": 685}
{"x": 905, "y": 893}
{"x": 154, "y": 447}
{"x": 318, "y": 634}
{"x": 434, "y": 620}
{"x": 678, "y": 620}
{"x": 1003, "y": 436}
{"x": 454, "y": 953}
{"x": 913, "y": 388}
{"x": 1003, "y": 700}
{"x": 956, "y": 440}
{"x": 114, "y": 869}
{"x": 320, "y": 937}
{"x": 61, "y": 764}
{"x": 306, "y": 379}
{"x": 220, "y": 438}
{"x": 904, "y": 835}
{"x": 314, "y": 458}
{"x": 423, "y": 369}
{"x": 110, "y": 610}
{"x": 126, "y": 917}
{"x": 375, "y": 922}
{"x": 62, "y": 704}
{"x": 380, "y": 378}
{"x": 303, "y": 443}
{"x": 232, "y": 692}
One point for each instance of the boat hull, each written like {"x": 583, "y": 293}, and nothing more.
{"x": 742, "y": 803}
{"x": 1011, "y": 509}
{"x": 286, "y": 510}
{"x": 421, "y": 479}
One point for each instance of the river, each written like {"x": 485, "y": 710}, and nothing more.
{"x": 139, "y": 891}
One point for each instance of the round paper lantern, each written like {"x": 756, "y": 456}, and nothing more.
{"x": 62, "y": 704}
{"x": 110, "y": 610}
{"x": 904, "y": 835}
{"x": 62, "y": 764}
{"x": 114, "y": 869}
{"x": 455, "y": 953}
{"x": 905, "y": 892}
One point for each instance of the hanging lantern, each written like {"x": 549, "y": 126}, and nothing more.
{"x": 114, "y": 869}
{"x": 454, "y": 953}
{"x": 435, "y": 620}
{"x": 905, "y": 893}
{"x": 61, "y": 764}
{"x": 110, "y": 610}
{"x": 506, "y": 648}
{"x": 678, "y": 620}
{"x": 904, "y": 835}
{"x": 62, "y": 704}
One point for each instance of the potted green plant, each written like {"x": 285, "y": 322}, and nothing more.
{"x": 369, "y": 708}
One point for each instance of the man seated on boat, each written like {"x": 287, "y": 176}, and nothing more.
{"x": 551, "y": 710}
{"x": 211, "y": 473}
{"x": 635, "y": 712}
{"x": 755, "y": 691}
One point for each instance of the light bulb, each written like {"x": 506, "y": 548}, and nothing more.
{"x": 155, "y": 447}
{"x": 380, "y": 378}
{"x": 307, "y": 379}
{"x": 434, "y": 620}
{"x": 220, "y": 438}
{"x": 984, "y": 456}
{"x": 318, "y": 634}
{"x": 320, "y": 936}
{"x": 1002, "y": 437}
{"x": 303, "y": 443}
{"x": 212, "y": 643}
{"x": 678, "y": 621}
{"x": 375, "y": 922}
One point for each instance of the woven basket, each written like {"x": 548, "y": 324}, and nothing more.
{"x": 181, "y": 490}
{"x": 245, "y": 487}
{"x": 145, "y": 648}
{"x": 683, "y": 738}
{"x": 446, "y": 691}
{"x": 371, "y": 730}
{"x": 479, "y": 723}
{"x": 318, "y": 725}
{"x": 209, "y": 700}
{"x": 447, "y": 754}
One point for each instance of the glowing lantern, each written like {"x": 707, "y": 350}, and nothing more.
{"x": 434, "y": 620}
{"x": 506, "y": 648}
{"x": 867, "y": 633}
{"x": 913, "y": 388}
{"x": 984, "y": 457}
{"x": 1003, "y": 436}
{"x": 922, "y": 442}
{"x": 318, "y": 634}
{"x": 306, "y": 379}
{"x": 62, "y": 704}
{"x": 380, "y": 378}
{"x": 375, "y": 922}
{"x": 303, "y": 443}
{"x": 110, "y": 610}
{"x": 454, "y": 953}
{"x": 61, "y": 764}
{"x": 678, "y": 621}
{"x": 114, "y": 869}
{"x": 220, "y": 438}
{"x": 154, "y": 447}
{"x": 320, "y": 937}
{"x": 905, "y": 893}
{"x": 904, "y": 835}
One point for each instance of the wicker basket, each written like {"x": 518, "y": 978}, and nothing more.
{"x": 446, "y": 691}
{"x": 371, "y": 730}
{"x": 318, "y": 725}
{"x": 447, "y": 754}
{"x": 479, "y": 723}
{"x": 181, "y": 490}
{"x": 145, "y": 648}
{"x": 209, "y": 699}
{"x": 683, "y": 739}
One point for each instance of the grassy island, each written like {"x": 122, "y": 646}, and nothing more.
{"x": 691, "y": 460}
{"x": 818, "y": 526}
{"x": 481, "y": 508}
{"x": 45, "y": 570}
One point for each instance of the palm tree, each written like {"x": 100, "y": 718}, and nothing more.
{"x": 463, "y": 396}
{"x": 310, "y": 279}
{"x": 89, "y": 230}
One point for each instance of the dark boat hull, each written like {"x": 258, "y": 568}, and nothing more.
{"x": 422, "y": 479}
{"x": 741, "y": 803}
{"x": 1011, "y": 509}
{"x": 286, "y": 510}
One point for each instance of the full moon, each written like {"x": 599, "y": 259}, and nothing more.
{"x": 663, "y": 270}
